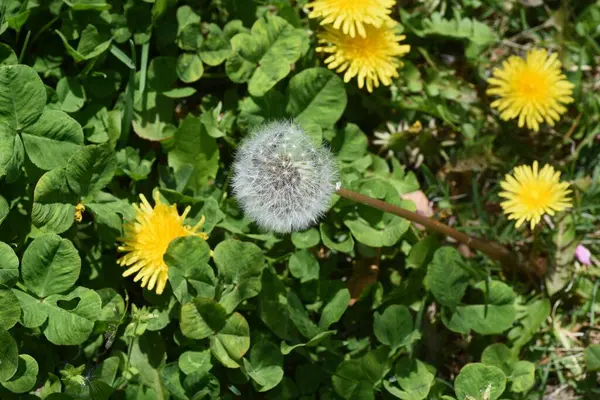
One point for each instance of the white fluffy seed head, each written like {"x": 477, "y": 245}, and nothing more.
{"x": 281, "y": 179}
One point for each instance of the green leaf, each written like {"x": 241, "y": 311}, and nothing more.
{"x": 232, "y": 342}
{"x": 342, "y": 242}
{"x": 170, "y": 376}
{"x": 215, "y": 48}
{"x": 265, "y": 366}
{"x": 394, "y": 326}
{"x": 189, "y": 67}
{"x": 9, "y": 265}
{"x": 494, "y": 318}
{"x": 147, "y": 357}
{"x": 299, "y": 316}
{"x": 414, "y": 377}
{"x": 195, "y": 361}
{"x": 12, "y": 153}
{"x": 33, "y": 313}
{"x": 306, "y": 239}
{"x": 317, "y": 95}
{"x": 318, "y": 338}
{"x": 349, "y": 143}
{"x": 592, "y": 357}
{"x": 355, "y": 379}
{"x": 304, "y": 266}
{"x": 196, "y": 149}
{"x": 162, "y": 73}
{"x": 462, "y": 28}
{"x": 71, "y": 326}
{"x": 7, "y": 55}
{"x": 4, "y": 210}
{"x": 91, "y": 44}
{"x": 532, "y": 317}
{"x": 499, "y": 355}
{"x": 152, "y": 116}
{"x": 386, "y": 233}
{"x": 334, "y": 309}
{"x": 522, "y": 377}
{"x": 273, "y": 308}
{"x": 113, "y": 305}
{"x": 10, "y": 311}
{"x": 240, "y": 265}
{"x": 477, "y": 379}
{"x": 25, "y": 377}
{"x": 189, "y": 273}
{"x": 447, "y": 277}
{"x": 90, "y": 169}
{"x": 202, "y": 318}
{"x": 22, "y": 97}
{"x": 71, "y": 94}
{"x": 52, "y": 139}
{"x": 9, "y": 355}
{"x": 210, "y": 120}
{"x": 256, "y": 110}
{"x": 263, "y": 57}
{"x": 53, "y": 203}
{"x": 422, "y": 252}
{"x": 50, "y": 265}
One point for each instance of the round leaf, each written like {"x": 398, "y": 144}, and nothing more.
{"x": 22, "y": 96}
{"x": 317, "y": 94}
{"x": 304, "y": 266}
{"x": 265, "y": 366}
{"x": 10, "y": 311}
{"x": 24, "y": 379}
{"x": 189, "y": 67}
{"x": 71, "y": 94}
{"x": 71, "y": 317}
{"x": 53, "y": 203}
{"x": 52, "y": 139}
{"x": 306, "y": 239}
{"x": 162, "y": 73}
{"x": 9, "y": 355}
{"x": 476, "y": 379}
{"x": 9, "y": 265}
{"x": 201, "y": 318}
{"x": 215, "y": 47}
{"x": 50, "y": 265}
{"x": 414, "y": 377}
{"x": 394, "y": 326}
{"x": 90, "y": 169}
{"x": 447, "y": 277}
{"x": 232, "y": 342}
{"x": 195, "y": 361}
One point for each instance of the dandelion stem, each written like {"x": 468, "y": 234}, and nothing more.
{"x": 491, "y": 249}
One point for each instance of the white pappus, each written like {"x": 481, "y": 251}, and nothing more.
{"x": 281, "y": 179}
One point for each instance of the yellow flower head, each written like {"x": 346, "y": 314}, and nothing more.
{"x": 372, "y": 59}
{"x": 147, "y": 238}
{"x": 531, "y": 193}
{"x": 533, "y": 89}
{"x": 352, "y": 15}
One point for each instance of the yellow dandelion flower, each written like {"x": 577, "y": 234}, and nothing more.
{"x": 147, "y": 238}
{"x": 372, "y": 59}
{"x": 531, "y": 193}
{"x": 533, "y": 89}
{"x": 352, "y": 15}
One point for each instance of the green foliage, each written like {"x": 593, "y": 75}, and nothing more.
{"x": 103, "y": 101}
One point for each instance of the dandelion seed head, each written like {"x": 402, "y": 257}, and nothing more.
{"x": 281, "y": 179}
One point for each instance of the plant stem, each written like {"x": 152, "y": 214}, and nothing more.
{"x": 491, "y": 249}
